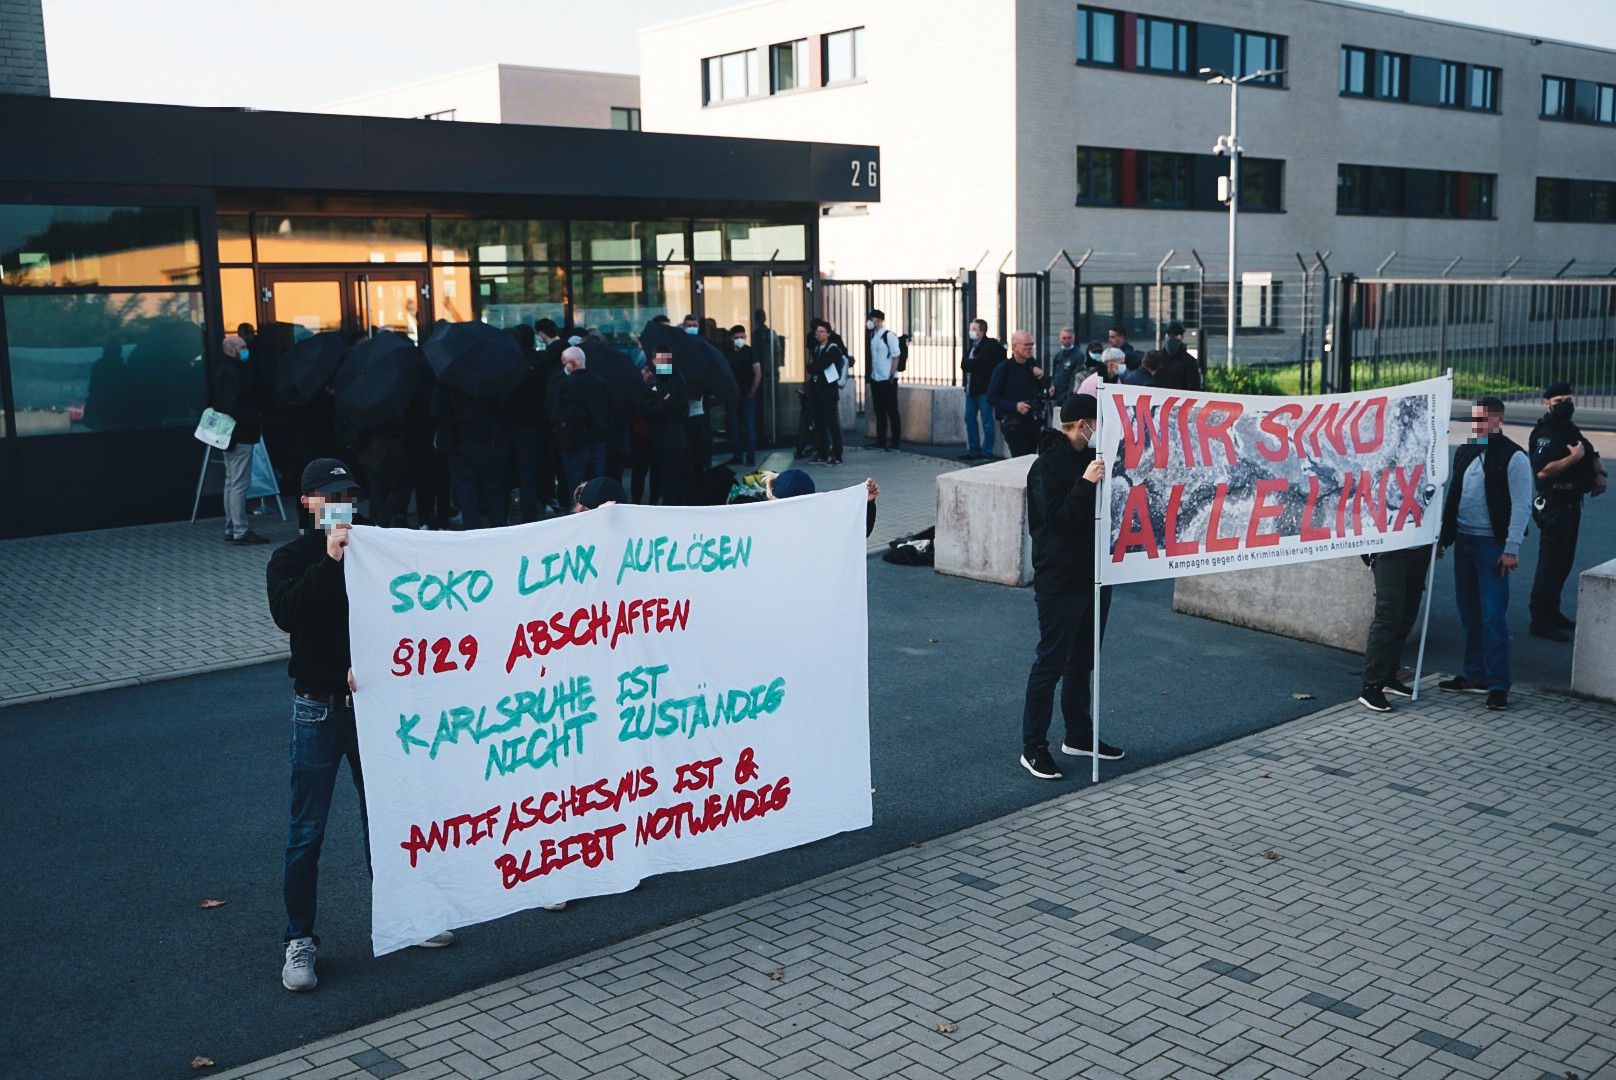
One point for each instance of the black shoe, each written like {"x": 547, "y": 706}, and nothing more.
{"x": 736, "y": 460}
{"x": 249, "y": 537}
{"x": 1548, "y": 633}
{"x": 969, "y": 457}
{"x": 893, "y": 449}
{"x": 1085, "y": 749}
{"x": 1564, "y": 623}
{"x": 1040, "y": 764}
{"x": 1373, "y": 699}
{"x": 875, "y": 446}
{"x": 1498, "y": 700}
{"x": 1396, "y": 688}
{"x": 1460, "y": 684}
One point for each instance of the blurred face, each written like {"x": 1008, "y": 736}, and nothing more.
{"x": 1021, "y": 345}
{"x": 663, "y": 363}
{"x": 314, "y": 503}
{"x": 821, "y": 334}
{"x": 1484, "y": 423}
{"x": 1067, "y": 339}
{"x": 1114, "y": 338}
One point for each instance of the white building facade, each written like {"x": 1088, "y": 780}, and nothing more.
{"x": 1013, "y": 130}
{"x": 509, "y": 94}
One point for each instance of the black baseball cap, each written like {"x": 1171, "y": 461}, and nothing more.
{"x": 327, "y": 476}
{"x": 1080, "y": 407}
{"x": 1556, "y": 389}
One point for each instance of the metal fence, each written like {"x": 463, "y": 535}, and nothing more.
{"x": 931, "y": 312}
{"x": 1509, "y": 337}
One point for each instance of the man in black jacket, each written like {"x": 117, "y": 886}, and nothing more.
{"x": 580, "y": 405}
{"x": 1016, "y": 393}
{"x": 1062, "y": 495}
{"x": 1178, "y": 370}
{"x": 663, "y": 406}
{"x": 1566, "y": 467}
{"x": 308, "y": 598}
{"x": 982, "y": 356}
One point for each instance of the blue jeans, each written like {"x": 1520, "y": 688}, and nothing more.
{"x": 746, "y": 429}
{"x": 581, "y": 466}
{"x": 1483, "y": 596}
{"x": 1065, "y": 655}
{"x": 322, "y": 735}
{"x": 977, "y": 405}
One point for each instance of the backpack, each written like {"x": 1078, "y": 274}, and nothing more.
{"x": 572, "y": 428}
{"x": 901, "y": 361}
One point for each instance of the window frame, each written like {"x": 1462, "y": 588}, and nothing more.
{"x": 1086, "y": 170}
{"x": 1563, "y": 110}
{"x": 1366, "y": 76}
{"x": 1085, "y": 36}
{"x": 631, "y": 117}
{"x": 1144, "y": 45}
{"x": 711, "y": 65}
{"x": 798, "y": 49}
{"x": 855, "y": 36}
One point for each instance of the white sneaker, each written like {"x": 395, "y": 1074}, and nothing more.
{"x": 438, "y": 941}
{"x": 555, "y": 907}
{"x": 298, "y": 971}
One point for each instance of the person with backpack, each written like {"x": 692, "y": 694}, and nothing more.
{"x": 888, "y": 355}
{"x": 1179, "y": 369}
{"x": 580, "y": 407}
{"x": 827, "y": 367}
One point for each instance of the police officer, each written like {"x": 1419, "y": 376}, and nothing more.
{"x": 1566, "y": 467}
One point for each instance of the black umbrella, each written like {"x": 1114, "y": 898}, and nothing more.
{"x": 308, "y": 366}
{"x": 477, "y": 358}
{"x": 621, "y": 373}
{"x": 698, "y": 361}
{"x": 377, "y": 378}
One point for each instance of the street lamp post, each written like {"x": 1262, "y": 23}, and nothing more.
{"x": 1230, "y": 144}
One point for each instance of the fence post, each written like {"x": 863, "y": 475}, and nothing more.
{"x": 1004, "y": 287}
{"x": 1338, "y": 371}
{"x": 967, "y": 302}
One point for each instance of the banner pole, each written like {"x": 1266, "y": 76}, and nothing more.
{"x": 1425, "y": 623}
{"x": 1100, "y": 506}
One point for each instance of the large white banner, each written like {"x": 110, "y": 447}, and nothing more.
{"x": 561, "y": 709}
{"x": 1196, "y": 483}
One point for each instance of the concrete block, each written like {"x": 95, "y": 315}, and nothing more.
{"x": 1328, "y": 601}
{"x": 1592, "y": 671}
{"x": 982, "y": 523}
{"x": 931, "y": 415}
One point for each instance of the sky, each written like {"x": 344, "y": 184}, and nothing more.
{"x": 298, "y": 54}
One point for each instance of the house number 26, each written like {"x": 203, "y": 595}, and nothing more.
{"x": 867, "y": 169}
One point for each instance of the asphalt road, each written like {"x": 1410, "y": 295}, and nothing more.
{"x": 130, "y": 807}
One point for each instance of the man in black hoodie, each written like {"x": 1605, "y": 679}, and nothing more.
{"x": 308, "y": 598}
{"x": 1062, "y": 495}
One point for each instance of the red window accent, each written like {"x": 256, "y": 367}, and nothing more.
{"x": 1462, "y": 194}
{"x": 1129, "y": 193}
{"x": 816, "y": 61}
{"x": 1130, "y": 35}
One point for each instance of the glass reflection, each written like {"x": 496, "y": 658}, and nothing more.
{"x": 98, "y": 245}
{"x": 106, "y": 361}
{"x": 496, "y": 241}
{"x": 292, "y": 238}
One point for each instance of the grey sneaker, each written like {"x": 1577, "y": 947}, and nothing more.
{"x": 298, "y": 971}
{"x": 439, "y": 941}
{"x": 562, "y": 906}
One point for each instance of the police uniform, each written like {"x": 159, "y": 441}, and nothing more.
{"x": 1557, "y": 511}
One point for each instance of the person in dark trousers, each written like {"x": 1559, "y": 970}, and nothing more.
{"x": 826, "y": 370}
{"x": 748, "y": 372}
{"x": 235, "y": 393}
{"x": 308, "y": 599}
{"x": 663, "y": 407}
{"x": 1177, "y": 370}
{"x": 469, "y": 428}
{"x": 1016, "y": 394}
{"x": 428, "y": 468}
{"x": 983, "y": 355}
{"x": 1399, "y": 587}
{"x": 387, "y": 468}
{"x": 1484, "y": 521}
{"x": 882, "y": 372}
{"x": 1063, "y": 489}
{"x": 1566, "y": 467}
{"x": 529, "y": 423}
{"x": 580, "y": 415}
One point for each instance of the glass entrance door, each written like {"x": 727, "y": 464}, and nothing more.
{"x": 773, "y": 307}
{"x": 301, "y": 303}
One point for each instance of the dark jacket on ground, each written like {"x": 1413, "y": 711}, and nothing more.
{"x": 235, "y": 393}
{"x": 308, "y": 598}
{"x": 1060, "y": 516}
{"x": 1013, "y": 383}
{"x": 666, "y": 407}
{"x": 1495, "y": 470}
{"x": 979, "y": 362}
{"x": 591, "y": 390}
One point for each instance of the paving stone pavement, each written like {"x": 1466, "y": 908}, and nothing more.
{"x": 1422, "y": 895}
{"x": 118, "y": 607}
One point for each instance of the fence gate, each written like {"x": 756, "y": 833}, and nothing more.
{"x": 1024, "y": 305}
{"x": 931, "y": 311}
{"x": 1506, "y": 337}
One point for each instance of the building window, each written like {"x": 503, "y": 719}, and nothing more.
{"x": 624, "y": 119}
{"x": 1162, "y": 45}
{"x": 1391, "y": 81}
{"x": 1448, "y": 79}
{"x": 1605, "y": 112}
{"x": 1553, "y": 201}
{"x": 731, "y": 77}
{"x": 844, "y": 56}
{"x": 1097, "y": 175}
{"x": 1555, "y": 98}
{"x": 1355, "y": 68}
{"x": 788, "y": 65}
{"x": 1387, "y": 191}
{"x": 441, "y": 114}
{"x": 1163, "y": 180}
{"x": 1592, "y": 201}
{"x": 1258, "y": 52}
{"x": 1098, "y": 37}
{"x": 1262, "y": 184}
{"x": 1483, "y": 89}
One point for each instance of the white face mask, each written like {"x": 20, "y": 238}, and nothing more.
{"x": 869, "y": 324}
{"x": 740, "y": 341}
{"x": 691, "y": 329}
{"x": 976, "y": 335}
{"x": 664, "y": 369}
